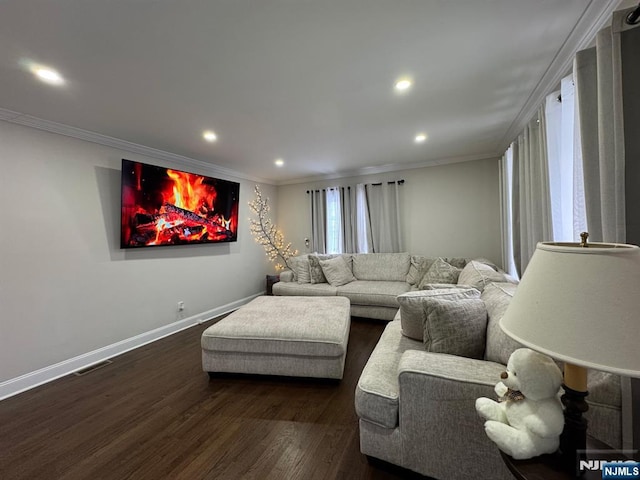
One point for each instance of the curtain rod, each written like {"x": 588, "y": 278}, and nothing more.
{"x": 633, "y": 17}
{"x": 399, "y": 182}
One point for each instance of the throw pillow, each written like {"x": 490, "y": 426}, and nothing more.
{"x": 315, "y": 270}
{"x": 293, "y": 261}
{"x": 412, "y": 314}
{"x": 458, "y": 262}
{"x": 336, "y": 271}
{"x": 440, "y": 272}
{"x": 480, "y": 275}
{"x": 301, "y": 268}
{"x": 455, "y": 327}
{"x": 417, "y": 268}
{"x": 487, "y": 262}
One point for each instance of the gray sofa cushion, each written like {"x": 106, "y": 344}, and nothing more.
{"x": 315, "y": 269}
{"x": 300, "y": 268}
{"x": 381, "y": 266}
{"x": 418, "y": 265}
{"x": 480, "y": 275}
{"x": 377, "y": 391}
{"x": 412, "y": 313}
{"x": 363, "y": 292}
{"x": 458, "y": 262}
{"x": 457, "y": 327}
{"x": 336, "y": 271}
{"x": 496, "y": 297}
{"x": 440, "y": 272}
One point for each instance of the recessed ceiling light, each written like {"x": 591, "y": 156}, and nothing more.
{"x": 210, "y": 136}
{"x": 403, "y": 84}
{"x": 279, "y": 162}
{"x": 47, "y": 75}
{"x": 421, "y": 138}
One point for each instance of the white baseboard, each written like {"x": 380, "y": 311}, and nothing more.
{"x": 33, "y": 379}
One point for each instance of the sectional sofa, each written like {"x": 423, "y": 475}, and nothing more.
{"x": 378, "y": 279}
{"x": 415, "y": 399}
{"x": 416, "y": 408}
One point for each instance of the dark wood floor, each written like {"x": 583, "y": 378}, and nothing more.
{"x": 153, "y": 414}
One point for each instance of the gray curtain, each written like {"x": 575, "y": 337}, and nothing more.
{"x": 609, "y": 157}
{"x": 348, "y": 206}
{"x": 598, "y": 75}
{"x": 384, "y": 217}
{"x": 630, "y": 43}
{"x": 318, "y": 220}
{"x": 630, "y": 55}
{"x": 531, "y": 201}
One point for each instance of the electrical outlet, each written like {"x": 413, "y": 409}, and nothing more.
{"x": 180, "y": 306}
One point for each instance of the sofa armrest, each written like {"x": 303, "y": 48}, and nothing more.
{"x": 286, "y": 276}
{"x": 438, "y": 419}
{"x": 450, "y": 367}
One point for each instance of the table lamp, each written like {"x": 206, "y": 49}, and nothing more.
{"x": 580, "y": 303}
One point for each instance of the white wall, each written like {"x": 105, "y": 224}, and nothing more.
{"x": 66, "y": 288}
{"x": 447, "y": 210}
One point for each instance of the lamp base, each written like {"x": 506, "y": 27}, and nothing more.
{"x": 573, "y": 440}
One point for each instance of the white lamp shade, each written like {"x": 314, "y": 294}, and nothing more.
{"x": 580, "y": 305}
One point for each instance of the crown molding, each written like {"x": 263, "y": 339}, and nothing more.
{"x": 93, "y": 137}
{"x": 395, "y": 167}
{"x": 8, "y": 115}
{"x": 595, "y": 17}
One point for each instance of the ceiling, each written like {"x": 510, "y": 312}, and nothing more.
{"x": 308, "y": 81}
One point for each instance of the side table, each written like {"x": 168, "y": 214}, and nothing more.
{"x": 271, "y": 279}
{"x": 550, "y": 467}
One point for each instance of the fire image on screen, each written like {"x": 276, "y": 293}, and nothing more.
{"x": 161, "y": 206}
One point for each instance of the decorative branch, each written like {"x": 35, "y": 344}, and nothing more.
{"x": 267, "y": 234}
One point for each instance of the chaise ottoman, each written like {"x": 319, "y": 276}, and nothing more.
{"x": 292, "y": 336}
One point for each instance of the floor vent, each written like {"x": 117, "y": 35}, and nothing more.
{"x": 92, "y": 368}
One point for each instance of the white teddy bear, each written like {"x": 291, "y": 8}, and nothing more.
{"x": 528, "y": 420}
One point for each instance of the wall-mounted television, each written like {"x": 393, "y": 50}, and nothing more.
{"x": 164, "y": 206}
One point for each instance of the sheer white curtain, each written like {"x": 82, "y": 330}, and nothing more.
{"x": 362, "y": 226}
{"x": 334, "y": 221}
{"x": 340, "y": 222}
{"x": 565, "y": 172}
{"x": 506, "y": 214}
{"x": 598, "y": 76}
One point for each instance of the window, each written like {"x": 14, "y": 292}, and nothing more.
{"x": 341, "y": 219}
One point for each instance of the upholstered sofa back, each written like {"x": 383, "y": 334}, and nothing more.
{"x": 496, "y": 297}
{"x": 373, "y": 281}
{"x": 389, "y": 267}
